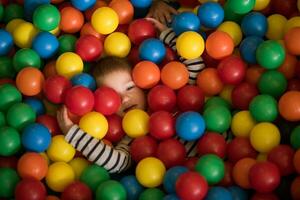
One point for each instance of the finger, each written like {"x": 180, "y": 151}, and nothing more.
{"x": 168, "y": 17}
{"x": 172, "y": 10}
{"x": 162, "y": 19}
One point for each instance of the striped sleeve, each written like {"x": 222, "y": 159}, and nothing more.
{"x": 194, "y": 66}
{"x": 113, "y": 159}
{"x": 190, "y": 146}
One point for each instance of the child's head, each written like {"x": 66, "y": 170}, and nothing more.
{"x": 115, "y": 73}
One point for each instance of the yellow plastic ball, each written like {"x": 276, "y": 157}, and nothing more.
{"x": 44, "y": 155}
{"x": 69, "y": 64}
{"x": 150, "y": 172}
{"x": 13, "y": 24}
{"x": 261, "y": 4}
{"x": 190, "y": 45}
{"x": 195, "y": 10}
{"x": 117, "y": 44}
{"x": 78, "y": 165}
{"x": 264, "y": 137}
{"x": 24, "y": 34}
{"x": 60, "y": 150}
{"x": 135, "y": 123}
{"x": 291, "y": 23}
{"x": 59, "y": 176}
{"x": 226, "y": 93}
{"x": 184, "y": 9}
{"x": 233, "y": 29}
{"x": 242, "y": 124}
{"x": 55, "y": 31}
{"x": 105, "y": 20}
{"x": 276, "y": 24}
{"x": 95, "y": 124}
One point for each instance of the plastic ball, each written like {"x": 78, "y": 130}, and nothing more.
{"x": 254, "y": 24}
{"x": 30, "y": 81}
{"x": 76, "y": 191}
{"x": 276, "y": 23}
{"x": 190, "y": 98}
{"x": 136, "y": 123}
{"x": 152, "y": 50}
{"x": 150, "y": 172}
{"x": 190, "y": 45}
{"x": 10, "y": 141}
{"x": 270, "y": 54}
{"x": 26, "y": 58}
{"x": 107, "y": 100}
{"x": 146, "y": 74}
{"x": 219, "y": 44}
{"x": 248, "y": 48}
{"x": 50, "y": 122}
{"x": 132, "y": 187}
{"x": 24, "y": 34}
{"x": 71, "y": 20}
{"x": 161, "y": 125}
{"x": 88, "y": 47}
{"x": 46, "y": 17}
{"x": 84, "y": 79}
{"x": 185, "y": 21}
{"x": 45, "y": 44}
{"x": 95, "y": 124}
{"x": 69, "y": 64}
{"x": 291, "y": 40}
{"x": 191, "y": 185}
{"x": 233, "y": 29}
{"x": 242, "y": 123}
{"x": 2, "y": 119}
{"x": 117, "y": 44}
{"x": 30, "y": 188}
{"x": 7, "y": 71}
{"x": 36, "y": 105}
{"x": 142, "y": 147}
{"x": 151, "y": 193}
{"x": 66, "y": 43}
{"x": 172, "y": 176}
{"x": 9, "y": 96}
{"x": 60, "y": 150}
{"x": 124, "y": 9}
{"x": 161, "y": 97}
{"x": 105, "y": 20}
{"x": 240, "y": 172}
{"x": 241, "y": 7}
{"x": 263, "y": 108}
{"x": 141, "y": 3}
{"x": 218, "y": 192}
{"x": 242, "y": 95}
{"x": 59, "y": 176}
{"x": 288, "y": 105}
{"x": 264, "y": 137}
{"x": 9, "y": 179}
{"x": 111, "y": 189}
{"x": 13, "y": 24}
{"x": 209, "y": 81}
{"x": 79, "y": 164}
{"x": 240, "y": 148}
{"x": 115, "y": 131}
{"x": 83, "y": 5}
{"x": 140, "y": 30}
{"x": 20, "y": 115}
{"x": 217, "y": 118}
{"x": 273, "y": 83}
{"x": 211, "y": 14}
{"x": 212, "y": 143}
{"x": 6, "y": 42}
{"x": 294, "y": 137}
{"x": 174, "y": 75}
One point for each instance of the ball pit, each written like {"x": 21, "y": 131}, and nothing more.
{"x": 231, "y": 135}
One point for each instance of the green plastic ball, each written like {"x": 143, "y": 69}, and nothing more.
{"x": 217, "y": 118}
{"x": 152, "y": 193}
{"x": 211, "y": 167}
{"x": 66, "y": 43}
{"x": 241, "y": 6}
{"x": 270, "y": 54}
{"x": 10, "y": 141}
{"x": 295, "y": 137}
{"x": 26, "y": 58}
{"x": 2, "y": 119}
{"x": 46, "y": 17}
{"x": 1, "y": 12}
{"x": 229, "y": 15}
{"x": 8, "y": 182}
{"x": 272, "y": 82}
{"x": 110, "y": 189}
{"x": 216, "y": 101}
{"x": 13, "y": 11}
{"x": 263, "y": 108}
{"x": 10, "y": 95}
{"x": 7, "y": 69}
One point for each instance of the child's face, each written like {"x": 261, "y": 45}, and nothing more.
{"x": 132, "y": 96}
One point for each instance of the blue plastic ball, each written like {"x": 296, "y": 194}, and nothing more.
{"x": 254, "y": 24}
{"x": 6, "y": 42}
{"x": 190, "y": 126}
{"x": 217, "y": 193}
{"x": 36, "y": 137}
{"x": 85, "y": 80}
{"x": 141, "y": 3}
{"x": 211, "y": 14}
{"x": 185, "y": 21}
{"x": 248, "y": 48}
{"x": 83, "y": 5}
{"x": 45, "y": 44}
{"x": 238, "y": 193}
{"x": 152, "y": 50}
{"x": 171, "y": 177}
{"x": 132, "y": 187}
{"x": 171, "y": 197}
{"x": 31, "y": 5}
{"x": 36, "y": 104}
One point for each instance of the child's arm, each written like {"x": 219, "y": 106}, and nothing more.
{"x": 161, "y": 11}
{"x": 113, "y": 159}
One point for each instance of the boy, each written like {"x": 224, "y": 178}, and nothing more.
{"x": 116, "y": 74}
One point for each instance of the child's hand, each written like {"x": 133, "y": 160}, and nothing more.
{"x": 158, "y": 25}
{"x": 63, "y": 120}
{"x": 162, "y": 12}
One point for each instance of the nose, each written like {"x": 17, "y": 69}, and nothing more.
{"x": 125, "y": 98}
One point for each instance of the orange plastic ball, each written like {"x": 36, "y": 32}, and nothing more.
{"x": 292, "y": 41}
{"x": 124, "y": 9}
{"x": 146, "y": 74}
{"x": 49, "y": 69}
{"x": 71, "y": 20}
{"x": 289, "y": 105}
{"x": 87, "y": 29}
{"x": 288, "y": 67}
{"x": 253, "y": 74}
{"x": 30, "y": 81}
{"x": 175, "y": 75}
{"x": 209, "y": 81}
{"x": 219, "y": 45}
{"x": 88, "y": 13}
{"x": 241, "y": 170}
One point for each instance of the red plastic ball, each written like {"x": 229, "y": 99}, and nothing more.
{"x": 55, "y": 87}
{"x": 232, "y": 70}
{"x": 171, "y": 152}
{"x": 170, "y": 56}
{"x": 242, "y": 94}
{"x": 140, "y": 30}
{"x": 79, "y": 100}
{"x": 143, "y": 147}
{"x": 190, "y": 98}
{"x": 50, "y": 122}
{"x": 77, "y": 191}
{"x": 107, "y": 100}
{"x": 191, "y": 162}
{"x": 295, "y": 192}
{"x": 115, "y": 131}
{"x": 228, "y": 179}
{"x": 133, "y": 56}
{"x": 161, "y": 97}
{"x": 240, "y": 148}
{"x": 264, "y": 177}
{"x": 191, "y": 186}
{"x": 10, "y": 162}
{"x": 89, "y": 48}
{"x": 293, "y": 84}
{"x": 212, "y": 143}
{"x": 286, "y": 7}
{"x": 30, "y": 189}
{"x": 161, "y": 125}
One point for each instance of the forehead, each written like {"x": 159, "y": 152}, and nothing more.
{"x": 116, "y": 78}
